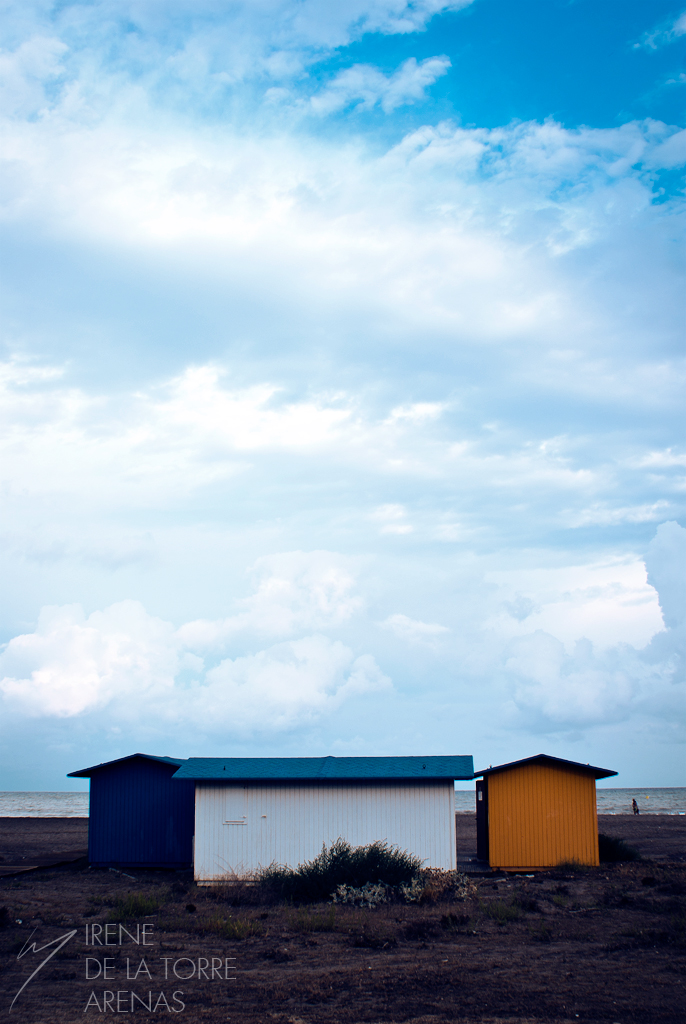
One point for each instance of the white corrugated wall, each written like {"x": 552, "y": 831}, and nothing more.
{"x": 240, "y": 829}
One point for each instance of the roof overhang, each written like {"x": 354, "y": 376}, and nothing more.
{"x": 85, "y": 773}
{"x": 546, "y": 759}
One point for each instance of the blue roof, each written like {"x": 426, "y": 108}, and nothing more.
{"x": 223, "y": 769}
{"x": 85, "y": 773}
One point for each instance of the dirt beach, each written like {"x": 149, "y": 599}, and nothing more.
{"x": 601, "y": 945}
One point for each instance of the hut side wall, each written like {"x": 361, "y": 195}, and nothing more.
{"x": 539, "y": 816}
{"x": 139, "y": 817}
{"x": 241, "y": 828}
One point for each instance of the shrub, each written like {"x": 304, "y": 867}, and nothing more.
{"x": 341, "y": 864}
{"x": 613, "y": 850}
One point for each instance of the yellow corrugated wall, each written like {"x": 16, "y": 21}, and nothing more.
{"x": 539, "y": 816}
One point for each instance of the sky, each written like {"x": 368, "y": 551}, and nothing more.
{"x": 342, "y": 382}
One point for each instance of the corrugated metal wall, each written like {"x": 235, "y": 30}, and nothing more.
{"x": 241, "y": 828}
{"x": 539, "y": 816}
{"x": 139, "y": 817}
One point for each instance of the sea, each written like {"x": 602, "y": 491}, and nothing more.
{"x": 609, "y": 801}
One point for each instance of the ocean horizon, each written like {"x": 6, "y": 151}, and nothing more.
{"x": 651, "y": 800}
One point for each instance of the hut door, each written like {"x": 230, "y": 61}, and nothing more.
{"x": 234, "y": 806}
{"x": 482, "y": 819}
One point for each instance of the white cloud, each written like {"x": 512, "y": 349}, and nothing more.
{"x": 393, "y": 517}
{"x": 608, "y": 602}
{"x": 553, "y": 689}
{"x": 295, "y": 591}
{"x": 363, "y": 86}
{"x": 663, "y": 34}
{"x": 666, "y": 562}
{"x": 26, "y": 72}
{"x": 608, "y": 516}
{"x": 72, "y": 664}
{"x": 284, "y": 686}
{"x": 413, "y": 630}
{"x": 123, "y": 665}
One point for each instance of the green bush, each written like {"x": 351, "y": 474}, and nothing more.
{"x": 341, "y": 864}
{"x": 612, "y": 850}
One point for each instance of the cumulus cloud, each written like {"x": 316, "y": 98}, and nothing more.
{"x": 72, "y": 664}
{"x": 556, "y": 689}
{"x": 295, "y": 590}
{"x": 122, "y": 665}
{"x": 455, "y": 357}
{"x": 363, "y": 86}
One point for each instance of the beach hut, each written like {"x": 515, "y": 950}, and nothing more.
{"x": 537, "y": 812}
{"x": 252, "y": 812}
{"x": 138, "y": 817}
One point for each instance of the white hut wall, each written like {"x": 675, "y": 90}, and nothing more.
{"x": 240, "y": 828}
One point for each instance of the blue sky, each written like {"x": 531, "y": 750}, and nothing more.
{"x": 342, "y": 371}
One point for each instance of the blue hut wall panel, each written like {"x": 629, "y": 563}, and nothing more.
{"x": 138, "y": 816}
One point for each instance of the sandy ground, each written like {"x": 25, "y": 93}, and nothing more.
{"x": 602, "y": 945}
{"x": 25, "y": 841}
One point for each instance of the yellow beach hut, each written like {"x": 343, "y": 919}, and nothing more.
{"x": 537, "y": 813}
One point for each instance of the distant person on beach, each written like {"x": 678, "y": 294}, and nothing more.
{"x": 634, "y": 806}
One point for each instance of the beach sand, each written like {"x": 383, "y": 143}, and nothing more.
{"x": 565, "y": 947}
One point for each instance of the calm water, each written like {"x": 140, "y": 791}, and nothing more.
{"x": 612, "y": 801}
{"x": 43, "y": 805}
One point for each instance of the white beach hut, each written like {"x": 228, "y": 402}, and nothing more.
{"x": 253, "y": 812}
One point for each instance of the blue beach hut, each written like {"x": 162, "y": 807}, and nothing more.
{"x": 138, "y": 817}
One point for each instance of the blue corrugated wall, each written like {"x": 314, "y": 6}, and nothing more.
{"x": 139, "y": 817}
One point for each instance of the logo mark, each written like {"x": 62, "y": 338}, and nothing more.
{"x": 31, "y": 947}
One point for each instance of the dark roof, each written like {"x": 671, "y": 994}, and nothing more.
{"x": 598, "y": 773}
{"x": 85, "y": 773}
{"x": 295, "y": 768}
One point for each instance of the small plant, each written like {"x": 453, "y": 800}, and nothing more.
{"x": 613, "y": 850}
{"x": 434, "y": 885}
{"x": 309, "y": 921}
{"x": 540, "y": 933}
{"x": 420, "y": 928}
{"x": 134, "y": 904}
{"x": 368, "y": 895}
{"x": 374, "y": 936}
{"x": 503, "y": 913}
{"x": 235, "y": 928}
{"x": 452, "y": 922}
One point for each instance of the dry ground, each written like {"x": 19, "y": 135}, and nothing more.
{"x": 605, "y": 945}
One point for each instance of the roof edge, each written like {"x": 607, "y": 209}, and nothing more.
{"x": 598, "y": 773}
{"x": 327, "y": 769}
{"x": 85, "y": 773}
